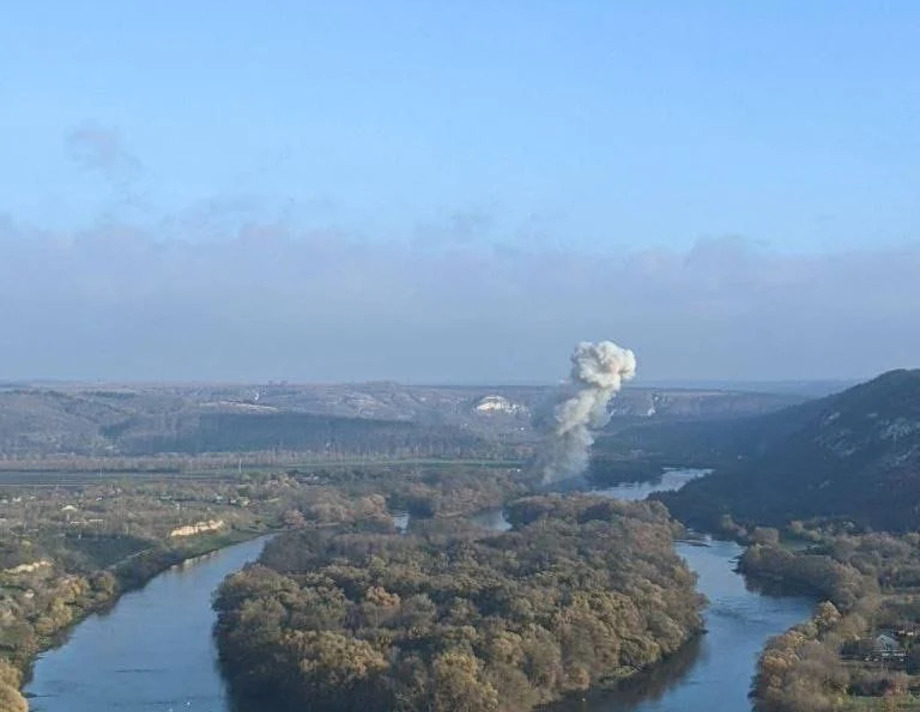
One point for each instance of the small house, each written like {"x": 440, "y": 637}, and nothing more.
{"x": 887, "y": 647}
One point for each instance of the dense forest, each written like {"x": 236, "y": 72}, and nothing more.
{"x": 302, "y": 432}
{"x": 835, "y": 661}
{"x": 581, "y": 592}
{"x": 850, "y": 456}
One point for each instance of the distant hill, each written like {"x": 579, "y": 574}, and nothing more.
{"x": 854, "y": 455}
{"x": 38, "y": 420}
{"x": 808, "y": 389}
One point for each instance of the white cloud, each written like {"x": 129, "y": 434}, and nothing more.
{"x": 95, "y": 148}
{"x": 268, "y": 301}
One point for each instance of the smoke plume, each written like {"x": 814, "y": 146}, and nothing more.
{"x": 598, "y": 372}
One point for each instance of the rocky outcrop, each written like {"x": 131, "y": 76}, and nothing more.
{"x": 198, "y": 528}
{"x": 28, "y": 568}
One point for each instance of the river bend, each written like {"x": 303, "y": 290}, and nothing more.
{"x": 154, "y": 652}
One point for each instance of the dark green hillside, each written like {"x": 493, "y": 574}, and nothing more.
{"x": 854, "y": 455}
{"x": 242, "y": 432}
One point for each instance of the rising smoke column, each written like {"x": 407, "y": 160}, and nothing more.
{"x": 598, "y": 372}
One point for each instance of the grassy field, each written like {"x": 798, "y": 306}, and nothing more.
{"x": 894, "y": 703}
{"x": 62, "y": 477}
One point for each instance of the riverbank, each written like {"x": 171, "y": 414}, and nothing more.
{"x": 711, "y": 672}
{"x": 153, "y": 650}
{"x": 67, "y": 551}
{"x": 862, "y": 647}
{"x": 129, "y": 575}
{"x": 715, "y": 671}
{"x": 581, "y": 592}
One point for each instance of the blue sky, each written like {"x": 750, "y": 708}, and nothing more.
{"x": 567, "y": 133}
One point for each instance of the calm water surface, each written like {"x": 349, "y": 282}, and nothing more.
{"x": 714, "y": 673}
{"x": 672, "y": 479}
{"x": 154, "y": 651}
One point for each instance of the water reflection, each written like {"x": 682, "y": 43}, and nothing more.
{"x": 154, "y": 650}
{"x": 670, "y": 480}
{"x": 401, "y": 521}
{"x": 647, "y": 686}
{"x": 493, "y": 519}
{"x": 713, "y": 672}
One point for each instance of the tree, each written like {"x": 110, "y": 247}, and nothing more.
{"x": 458, "y": 686}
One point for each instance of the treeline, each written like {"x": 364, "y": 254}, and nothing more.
{"x": 11, "y": 700}
{"x": 328, "y": 496}
{"x": 41, "y": 600}
{"x": 583, "y": 591}
{"x": 818, "y": 666}
{"x": 41, "y": 604}
{"x": 851, "y": 456}
{"x": 453, "y": 491}
{"x": 302, "y": 432}
{"x": 807, "y": 572}
{"x": 70, "y": 551}
{"x": 45, "y": 423}
{"x": 840, "y": 567}
{"x": 799, "y": 670}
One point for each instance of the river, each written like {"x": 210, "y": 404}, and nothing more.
{"x": 154, "y": 651}
{"x": 712, "y": 674}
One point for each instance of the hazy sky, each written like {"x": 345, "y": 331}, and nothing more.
{"x": 432, "y": 191}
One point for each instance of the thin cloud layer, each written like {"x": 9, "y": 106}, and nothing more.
{"x": 103, "y": 150}
{"x": 267, "y": 301}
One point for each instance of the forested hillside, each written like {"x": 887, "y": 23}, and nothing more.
{"x": 854, "y": 455}
{"x": 112, "y": 420}
{"x": 581, "y": 592}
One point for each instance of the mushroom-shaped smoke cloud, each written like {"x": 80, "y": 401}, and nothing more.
{"x": 598, "y": 372}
